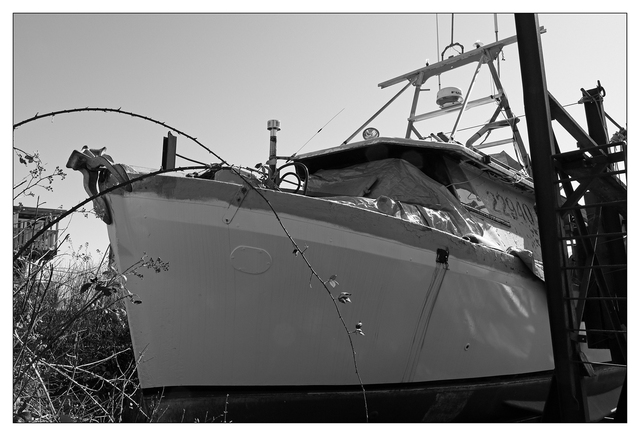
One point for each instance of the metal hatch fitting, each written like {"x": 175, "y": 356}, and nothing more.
{"x": 442, "y": 256}
{"x": 235, "y": 203}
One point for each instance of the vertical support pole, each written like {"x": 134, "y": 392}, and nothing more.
{"x": 169, "y": 145}
{"x": 569, "y": 396}
{"x": 273, "y": 126}
{"x": 504, "y": 103}
{"x": 414, "y": 105}
{"x": 466, "y": 98}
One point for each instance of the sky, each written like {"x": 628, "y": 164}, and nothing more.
{"x": 221, "y": 77}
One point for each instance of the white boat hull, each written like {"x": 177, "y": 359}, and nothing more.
{"x": 238, "y": 308}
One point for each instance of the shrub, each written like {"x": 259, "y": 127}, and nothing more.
{"x": 72, "y": 354}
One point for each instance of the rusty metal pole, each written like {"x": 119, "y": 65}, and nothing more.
{"x": 566, "y": 393}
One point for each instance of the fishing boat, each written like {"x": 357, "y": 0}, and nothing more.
{"x": 383, "y": 280}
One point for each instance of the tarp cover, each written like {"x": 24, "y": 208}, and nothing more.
{"x": 397, "y": 188}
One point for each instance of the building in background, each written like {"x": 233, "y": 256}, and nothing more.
{"x": 27, "y": 221}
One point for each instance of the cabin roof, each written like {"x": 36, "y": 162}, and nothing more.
{"x": 374, "y": 149}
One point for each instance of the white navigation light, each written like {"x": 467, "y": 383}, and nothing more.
{"x": 449, "y": 96}
{"x": 370, "y": 133}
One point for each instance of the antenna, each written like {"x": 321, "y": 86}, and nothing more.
{"x": 438, "y": 44}
{"x": 273, "y": 126}
{"x": 495, "y": 26}
{"x": 314, "y": 135}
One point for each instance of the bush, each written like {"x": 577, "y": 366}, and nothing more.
{"x": 72, "y": 354}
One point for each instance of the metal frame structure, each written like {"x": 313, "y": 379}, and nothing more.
{"x": 482, "y": 54}
{"x": 486, "y": 54}
{"x": 586, "y": 292}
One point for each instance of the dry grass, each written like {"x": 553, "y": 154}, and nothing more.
{"x": 72, "y": 354}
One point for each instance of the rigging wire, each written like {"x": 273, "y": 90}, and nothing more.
{"x": 189, "y": 159}
{"x": 495, "y": 25}
{"x": 314, "y": 135}
{"x": 452, "y": 45}
{"x": 452, "y": 22}
{"x": 438, "y": 47}
{"x": 491, "y": 82}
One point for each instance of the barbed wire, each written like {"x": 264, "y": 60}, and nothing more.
{"x": 37, "y": 116}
